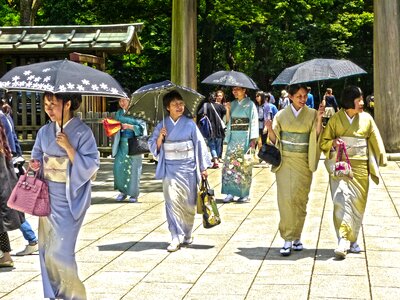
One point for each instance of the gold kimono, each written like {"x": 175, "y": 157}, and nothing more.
{"x": 366, "y": 153}
{"x": 296, "y": 138}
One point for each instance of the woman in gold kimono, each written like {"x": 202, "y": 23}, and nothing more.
{"x": 366, "y": 152}
{"x": 295, "y": 131}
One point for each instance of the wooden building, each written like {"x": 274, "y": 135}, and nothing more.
{"x": 88, "y": 44}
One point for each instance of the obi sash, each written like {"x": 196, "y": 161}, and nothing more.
{"x": 178, "y": 150}
{"x": 55, "y": 168}
{"x": 295, "y": 142}
{"x": 357, "y": 148}
{"x": 240, "y": 124}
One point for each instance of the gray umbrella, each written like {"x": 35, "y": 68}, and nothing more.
{"x": 146, "y": 102}
{"x": 231, "y": 78}
{"x": 61, "y": 76}
{"x": 317, "y": 70}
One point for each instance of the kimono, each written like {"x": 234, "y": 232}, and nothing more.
{"x": 296, "y": 138}
{"x": 366, "y": 153}
{"x": 70, "y": 195}
{"x": 181, "y": 159}
{"x": 127, "y": 168}
{"x": 242, "y": 127}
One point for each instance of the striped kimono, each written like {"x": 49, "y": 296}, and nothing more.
{"x": 366, "y": 153}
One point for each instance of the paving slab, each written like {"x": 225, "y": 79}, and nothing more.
{"x": 121, "y": 249}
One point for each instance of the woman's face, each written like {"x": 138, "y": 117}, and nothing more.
{"x": 123, "y": 103}
{"x": 258, "y": 99}
{"x": 299, "y": 99}
{"x": 359, "y": 104}
{"x": 176, "y": 108}
{"x": 219, "y": 97}
{"x": 238, "y": 92}
{"x": 53, "y": 108}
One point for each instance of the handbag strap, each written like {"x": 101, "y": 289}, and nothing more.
{"x": 216, "y": 112}
{"x": 342, "y": 150}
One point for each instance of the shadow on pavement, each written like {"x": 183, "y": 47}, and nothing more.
{"x": 143, "y": 246}
{"x": 266, "y": 253}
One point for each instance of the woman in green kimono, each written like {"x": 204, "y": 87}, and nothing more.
{"x": 242, "y": 133}
{"x": 295, "y": 131}
{"x": 366, "y": 152}
{"x": 127, "y": 168}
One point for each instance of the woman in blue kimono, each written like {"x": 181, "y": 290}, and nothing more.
{"x": 242, "y": 133}
{"x": 66, "y": 152}
{"x": 127, "y": 168}
{"x": 183, "y": 159}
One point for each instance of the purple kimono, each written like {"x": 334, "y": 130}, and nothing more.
{"x": 69, "y": 201}
{"x": 180, "y": 176}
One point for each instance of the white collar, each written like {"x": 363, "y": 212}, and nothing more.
{"x": 58, "y": 128}
{"x": 348, "y": 117}
{"x": 174, "y": 122}
{"x": 296, "y": 112}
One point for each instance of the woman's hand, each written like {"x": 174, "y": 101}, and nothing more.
{"x": 336, "y": 143}
{"x": 34, "y": 165}
{"x": 63, "y": 141}
{"x": 163, "y": 134}
{"x": 321, "y": 110}
{"x": 127, "y": 126}
{"x": 204, "y": 174}
{"x": 268, "y": 124}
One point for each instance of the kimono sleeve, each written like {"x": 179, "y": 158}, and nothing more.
{"x": 254, "y": 133}
{"x": 80, "y": 173}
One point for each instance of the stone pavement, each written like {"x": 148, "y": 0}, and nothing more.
{"x": 121, "y": 248}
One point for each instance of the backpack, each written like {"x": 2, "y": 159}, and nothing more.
{"x": 205, "y": 127}
{"x": 205, "y": 124}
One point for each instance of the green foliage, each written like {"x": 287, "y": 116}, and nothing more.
{"x": 260, "y": 38}
{"x": 9, "y": 14}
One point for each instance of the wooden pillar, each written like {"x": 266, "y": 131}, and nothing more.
{"x": 184, "y": 43}
{"x": 387, "y": 71}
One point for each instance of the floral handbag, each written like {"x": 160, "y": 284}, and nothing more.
{"x": 342, "y": 168}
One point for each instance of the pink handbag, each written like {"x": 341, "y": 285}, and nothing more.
{"x": 342, "y": 168}
{"x": 30, "y": 195}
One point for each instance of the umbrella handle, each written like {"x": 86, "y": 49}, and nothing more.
{"x": 62, "y": 116}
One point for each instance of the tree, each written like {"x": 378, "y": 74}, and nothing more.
{"x": 28, "y": 11}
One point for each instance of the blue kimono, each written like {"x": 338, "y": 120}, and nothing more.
{"x": 180, "y": 175}
{"x": 127, "y": 168}
{"x": 242, "y": 127}
{"x": 69, "y": 201}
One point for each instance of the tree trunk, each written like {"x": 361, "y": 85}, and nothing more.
{"x": 28, "y": 11}
{"x": 387, "y": 71}
{"x": 184, "y": 43}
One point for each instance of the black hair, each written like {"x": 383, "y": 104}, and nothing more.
{"x": 349, "y": 94}
{"x": 76, "y": 99}
{"x": 127, "y": 92}
{"x": 294, "y": 88}
{"x": 171, "y": 96}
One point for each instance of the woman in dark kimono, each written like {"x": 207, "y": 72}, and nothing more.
{"x": 9, "y": 219}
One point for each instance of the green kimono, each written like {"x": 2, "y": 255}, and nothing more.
{"x": 242, "y": 128}
{"x": 366, "y": 153}
{"x": 296, "y": 138}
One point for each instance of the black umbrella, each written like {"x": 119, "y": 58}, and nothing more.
{"x": 317, "y": 70}
{"x": 146, "y": 102}
{"x": 61, "y": 76}
{"x": 231, "y": 78}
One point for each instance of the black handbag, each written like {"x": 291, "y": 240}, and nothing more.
{"x": 270, "y": 154}
{"x": 138, "y": 145}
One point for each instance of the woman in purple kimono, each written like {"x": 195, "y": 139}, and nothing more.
{"x": 65, "y": 151}
{"x": 183, "y": 160}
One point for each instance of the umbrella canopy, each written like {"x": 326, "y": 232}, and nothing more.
{"x": 318, "y": 69}
{"x": 231, "y": 78}
{"x": 146, "y": 102}
{"x": 61, "y": 76}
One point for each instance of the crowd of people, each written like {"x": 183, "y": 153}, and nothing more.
{"x": 65, "y": 153}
